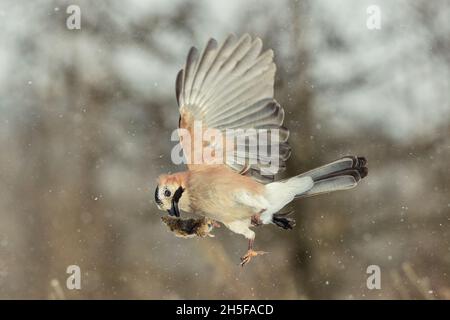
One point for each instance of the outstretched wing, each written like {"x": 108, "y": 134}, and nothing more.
{"x": 231, "y": 87}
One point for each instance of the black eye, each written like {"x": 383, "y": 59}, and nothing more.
{"x": 167, "y": 193}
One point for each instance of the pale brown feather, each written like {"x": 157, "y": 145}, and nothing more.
{"x": 211, "y": 191}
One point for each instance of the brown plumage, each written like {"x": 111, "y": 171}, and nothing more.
{"x": 188, "y": 228}
{"x": 231, "y": 87}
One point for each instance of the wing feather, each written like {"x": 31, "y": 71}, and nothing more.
{"x": 231, "y": 86}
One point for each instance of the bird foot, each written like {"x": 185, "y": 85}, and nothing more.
{"x": 249, "y": 255}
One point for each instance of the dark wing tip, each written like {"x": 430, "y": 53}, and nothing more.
{"x": 192, "y": 56}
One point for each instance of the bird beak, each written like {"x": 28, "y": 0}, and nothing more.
{"x": 174, "y": 210}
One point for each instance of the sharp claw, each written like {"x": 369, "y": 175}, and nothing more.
{"x": 244, "y": 261}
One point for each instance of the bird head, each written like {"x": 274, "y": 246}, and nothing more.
{"x": 168, "y": 193}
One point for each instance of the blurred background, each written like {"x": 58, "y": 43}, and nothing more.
{"x": 85, "y": 123}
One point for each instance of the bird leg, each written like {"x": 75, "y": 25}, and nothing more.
{"x": 250, "y": 253}
{"x": 255, "y": 220}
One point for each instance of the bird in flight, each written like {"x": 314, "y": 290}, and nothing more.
{"x": 229, "y": 87}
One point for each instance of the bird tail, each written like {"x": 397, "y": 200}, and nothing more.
{"x": 342, "y": 174}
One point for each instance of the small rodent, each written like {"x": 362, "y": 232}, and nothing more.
{"x": 189, "y": 228}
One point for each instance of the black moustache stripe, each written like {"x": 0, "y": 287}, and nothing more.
{"x": 177, "y": 194}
